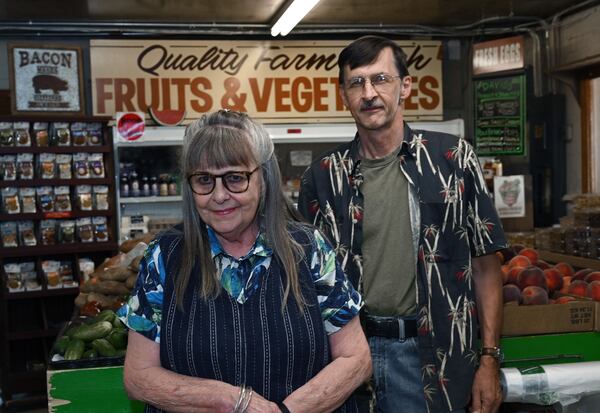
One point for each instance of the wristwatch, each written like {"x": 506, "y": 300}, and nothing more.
{"x": 494, "y": 352}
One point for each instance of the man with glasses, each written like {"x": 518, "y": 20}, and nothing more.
{"x": 415, "y": 230}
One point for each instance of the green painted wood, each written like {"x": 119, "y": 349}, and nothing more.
{"x": 89, "y": 391}
{"x": 529, "y": 351}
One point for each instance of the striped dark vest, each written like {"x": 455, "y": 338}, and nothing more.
{"x": 252, "y": 343}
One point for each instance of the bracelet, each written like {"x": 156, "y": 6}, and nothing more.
{"x": 283, "y": 408}
{"x": 239, "y": 400}
{"x": 247, "y": 399}
{"x": 243, "y": 400}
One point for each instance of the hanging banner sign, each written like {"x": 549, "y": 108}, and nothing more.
{"x": 274, "y": 81}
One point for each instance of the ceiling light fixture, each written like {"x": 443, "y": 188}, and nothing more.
{"x": 290, "y": 18}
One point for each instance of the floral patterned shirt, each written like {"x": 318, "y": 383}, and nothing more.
{"x": 339, "y": 302}
{"x": 453, "y": 219}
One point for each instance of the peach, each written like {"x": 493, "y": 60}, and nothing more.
{"x": 517, "y": 248}
{"x": 594, "y": 290}
{"x": 564, "y": 299}
{"x": 593, "y": 276}
{"x": 581, "y": 274}
{"x": 543, "y": 264}
{"x": 505, "y": 269}
{"x": 565, "y": 268}
{"x": 519, "y": 261}
{"x": 505, "y": 255}
{"x": 565, "y": 286}
{"x": 532, "y": 276}
{"x": 578, "y": 287}
{"x": 500, "y": 257}
{"x": 554, "y": 279}
{"x": 531, "y": 254}
{"x": 533, "y": 295}
{"x": 511, "y": 293}
{"x": 513, "y": 274}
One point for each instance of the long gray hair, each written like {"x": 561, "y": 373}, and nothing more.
{"x": 227, "y": 138}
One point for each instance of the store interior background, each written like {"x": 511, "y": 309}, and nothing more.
{"x": 562, "y": 52}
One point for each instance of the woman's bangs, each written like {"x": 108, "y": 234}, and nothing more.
{"x": 223, "y": 147}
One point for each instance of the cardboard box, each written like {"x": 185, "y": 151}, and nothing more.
{"x": 574, "y": 316}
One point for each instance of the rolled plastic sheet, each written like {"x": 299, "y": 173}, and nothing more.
{"x": 564, "y": 384}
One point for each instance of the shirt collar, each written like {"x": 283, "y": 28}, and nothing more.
{"x": 405, "y": 149}
{"x": 259, "y": 248}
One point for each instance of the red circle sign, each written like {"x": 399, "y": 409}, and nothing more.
{"x": 130, "y": 126}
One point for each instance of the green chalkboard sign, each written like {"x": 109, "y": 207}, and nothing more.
{"x": 500, "y": 115}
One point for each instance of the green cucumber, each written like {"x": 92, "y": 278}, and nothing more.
{"x": 61, "y": 344}
{"x": 118, "y": 338}
{"x": 105, "y": 315}
{"x": 74, "y": 350}
{"x": 90, "y": 354}
{"x": 93, "y": 331}
{"x": 118, "y": 324}
{"x": 103, "y": 347}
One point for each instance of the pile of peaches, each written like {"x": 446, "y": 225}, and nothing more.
{"x": 529, "y": 280}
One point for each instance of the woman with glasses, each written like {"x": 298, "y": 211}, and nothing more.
{"x": 241, "y": 308}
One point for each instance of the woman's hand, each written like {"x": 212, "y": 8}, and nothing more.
{"x": 259, "y": 404}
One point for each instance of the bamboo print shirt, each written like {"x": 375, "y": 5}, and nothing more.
{"x": 453, "y": 219}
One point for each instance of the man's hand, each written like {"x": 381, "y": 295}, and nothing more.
{"x": 486, "y": 394}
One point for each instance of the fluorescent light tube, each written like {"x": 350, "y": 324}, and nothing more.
{"x": 290, "y": 18}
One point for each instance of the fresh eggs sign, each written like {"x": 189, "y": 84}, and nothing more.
{"x": 45, "y": 79}
{"x": 276, "y": 82}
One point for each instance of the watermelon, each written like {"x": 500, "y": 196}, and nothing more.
{"x": 167, "y": 117}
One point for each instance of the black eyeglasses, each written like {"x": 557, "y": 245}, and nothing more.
{"x": 378, "y": 81}
{"x": 203, "y": 183}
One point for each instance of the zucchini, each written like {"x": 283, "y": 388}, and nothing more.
{"x": 93, "y": 331}
{"x": 61, "y": 344}
{"x": 74, "y": 350}
{"x": 103, "y": 347}
{"x": 118, "y": 338}
{"x": 121, "y": 352}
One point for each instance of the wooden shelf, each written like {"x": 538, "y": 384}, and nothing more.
{"x": 32, "y": 383}
{"x": 46, "y": 215}
{"x": 32, "y": 334}
{"x": 31, "y": 320}
{"x": 55, "y": 182}
{"x": 56, "y": 149}
{"x": 150, "y": 199}
{"x": 578, "y": 262}
{"x": 44, "y": 292}
{"x": 59, "y": 249}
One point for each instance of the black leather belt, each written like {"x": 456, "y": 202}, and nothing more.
{"x": 389, "y": 327}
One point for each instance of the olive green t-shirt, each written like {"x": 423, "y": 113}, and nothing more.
{"x": 388, "y": 254}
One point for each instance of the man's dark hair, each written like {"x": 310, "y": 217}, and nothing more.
{"x": 365, "y": 50}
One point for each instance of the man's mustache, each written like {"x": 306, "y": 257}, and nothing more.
{"x": 368, "y": 104}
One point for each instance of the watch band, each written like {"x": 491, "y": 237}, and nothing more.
{"x": 494, "y": 352}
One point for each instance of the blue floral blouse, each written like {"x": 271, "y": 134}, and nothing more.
{"x": 339, "y": 302}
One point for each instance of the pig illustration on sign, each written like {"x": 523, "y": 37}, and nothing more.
{"x": 49, "y": 82}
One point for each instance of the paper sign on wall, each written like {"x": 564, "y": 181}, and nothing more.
{"x": 509, "y": 196}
